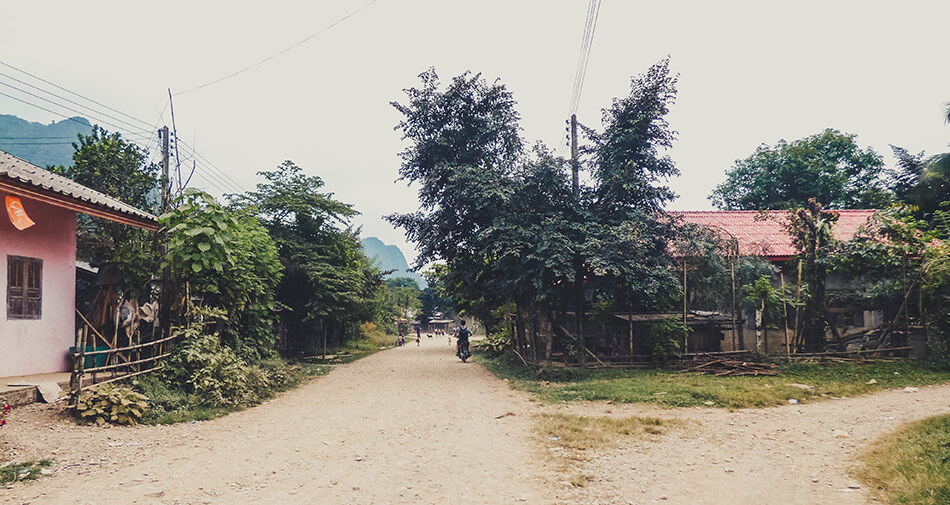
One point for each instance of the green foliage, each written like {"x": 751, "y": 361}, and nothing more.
{"x": 496, "y": 343}
{"x": 111, "y": 165}
{"x": 507, "y": 225}
{"x": 329, "y": 286}
{"x": 111, "y": 403}
{"x": 627, "y": 154}
{"x": 828, "y": 166}
{"x": 213, "y": 373}
{"x": 664, "y": 337}
{"x": 199, "y": 235}
{"x": 27, "y": 470}
{"x": 227, "y": 260}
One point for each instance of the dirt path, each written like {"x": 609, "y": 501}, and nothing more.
{"x": 790, "y": 455}
{"x": 391, "y": 428}
{"x": 395, "y": 428}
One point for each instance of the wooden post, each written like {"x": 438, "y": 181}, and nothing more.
{"x": 578, "y": 271}
{"x": 685, "y": 337}
{"x": 798, "y": 303}
{"x": 732, "y": 273}
{"x": 631, "y": 335}
{"x": 781, "y": 276}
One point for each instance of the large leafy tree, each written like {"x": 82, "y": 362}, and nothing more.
{"x": 828, "y": 166}
{"x": 109, "y": 164}
{"x": 626, "y": 248}
{"x": 506, "y": 222}
{"x": 329, "y": 284}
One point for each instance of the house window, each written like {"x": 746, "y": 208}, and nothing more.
{"x": 24, "y": 287}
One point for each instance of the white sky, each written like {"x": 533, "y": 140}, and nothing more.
{"x": 750, "y": 73}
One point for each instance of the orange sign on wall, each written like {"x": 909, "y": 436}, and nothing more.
{"x": 17, "y": 215}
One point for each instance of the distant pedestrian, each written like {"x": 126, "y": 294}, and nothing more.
{"x": 418, "y": 340}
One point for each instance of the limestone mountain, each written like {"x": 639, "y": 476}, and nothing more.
{"x": 390, "y": 257}
{"x": 41, "y": 144}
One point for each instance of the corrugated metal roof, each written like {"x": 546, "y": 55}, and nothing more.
{"x": 25, "y": 172}
{"x": 763, "y": 233}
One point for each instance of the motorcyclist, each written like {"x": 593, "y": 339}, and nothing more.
{"x": 462, "y": 335}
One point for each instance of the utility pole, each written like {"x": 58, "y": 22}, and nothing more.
{"x": 163, "y": 134}
{"x": 578, "y": 271}
{"x": 165, "y": 300}
{"x": 574, "y": 162}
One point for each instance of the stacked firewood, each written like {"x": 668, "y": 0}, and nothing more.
{"x": 724, "y": 366}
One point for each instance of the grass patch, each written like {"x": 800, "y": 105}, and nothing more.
{"x": 29, "y": 470}
{"x": 911, "y": 465}
{"x": 583, "y": 433}
{"x": 674, "y": 388}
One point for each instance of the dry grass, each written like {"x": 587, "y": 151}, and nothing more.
{"x": 912, "y": 465}
{"x": 571, "y": 438}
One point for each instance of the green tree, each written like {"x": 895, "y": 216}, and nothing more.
{"x": 226, "y": 261}
{"x": 329, "y": 286}
{"x": 828, "y": 166}
{"x": 812, "y": 233}
{"x": 626, "y": 245}
{"x": 932, "y": 189}
{"x": 434, "y": 300}
{"x": 113, "y": 166}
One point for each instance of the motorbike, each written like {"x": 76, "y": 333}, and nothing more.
{"x": 464, "y": 353}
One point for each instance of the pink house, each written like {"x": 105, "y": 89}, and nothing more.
{"x": 38, "y": 262}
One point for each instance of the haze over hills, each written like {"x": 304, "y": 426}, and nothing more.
{"x": 390, "y": 257}
{"x": 40, "y": 144}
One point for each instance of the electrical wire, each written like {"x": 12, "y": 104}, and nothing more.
{"x": 147, "y": 140}
{"x": 583, "y": 57}
{"x": 134, "y": 126}
{"x": 72, "y": 92}
{"x": 271, "y": 57}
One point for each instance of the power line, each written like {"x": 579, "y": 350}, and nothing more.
{"x": 271, "y": 57}
{"x": 147, "y": 139}
{"x": 66, "y": 99}
{"x": 82, "y": 113}
{"x": 72, "y": 92}
{"x": 583, "y": 57}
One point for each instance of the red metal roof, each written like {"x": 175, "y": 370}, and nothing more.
{"x": 762, "y": 233}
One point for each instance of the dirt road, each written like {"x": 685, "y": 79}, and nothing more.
{"x": 414, "y": 425}
{"x": 409, "y": 425}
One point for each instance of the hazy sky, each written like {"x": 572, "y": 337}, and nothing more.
{"x": 750, "y": 73}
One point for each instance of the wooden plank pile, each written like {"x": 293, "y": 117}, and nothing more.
{"x": 731, "y": 367}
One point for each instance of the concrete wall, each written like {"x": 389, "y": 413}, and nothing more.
{"x": 40, "y": 345}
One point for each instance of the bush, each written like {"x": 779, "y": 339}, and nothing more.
{"x": 664, "y": 338}
{"x": 495, "y": 344}
{"x": 213, "y": 373}
{"x": 110, "y": 403}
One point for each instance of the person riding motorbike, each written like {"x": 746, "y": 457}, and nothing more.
{"x": 462, "y": 335}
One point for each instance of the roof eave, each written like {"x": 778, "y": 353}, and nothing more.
{"x": 18, "y": 187}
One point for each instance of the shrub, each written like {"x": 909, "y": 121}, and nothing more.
{"x": 110, "y": 403}
{"x": 664, "y": 337}
{"x": 213, "y": 373}
{"x": 496, "y": 343}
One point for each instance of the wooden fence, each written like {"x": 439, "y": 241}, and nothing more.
{"x": 118, "y": 363}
